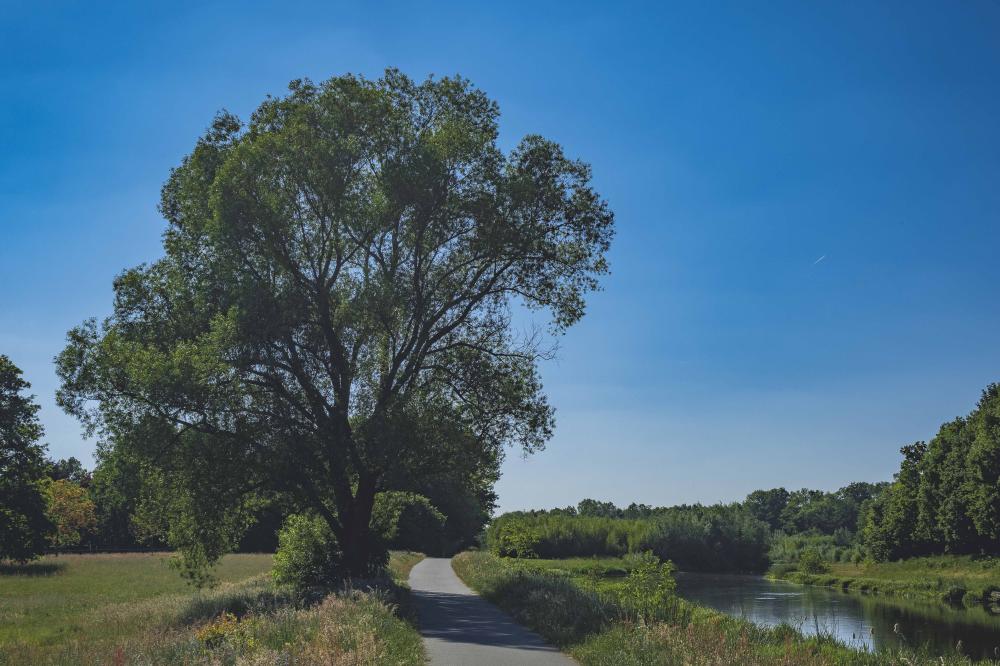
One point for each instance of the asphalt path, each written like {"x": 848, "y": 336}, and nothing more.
{"x": 460, "y": 628}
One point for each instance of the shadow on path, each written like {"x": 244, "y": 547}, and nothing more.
{"x": 460, "y": 627}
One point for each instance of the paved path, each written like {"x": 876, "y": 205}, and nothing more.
{"x": 461, "y": 628}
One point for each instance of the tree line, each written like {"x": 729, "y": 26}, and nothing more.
{"x": 946, "y": 496}
{"x": 944, "y": 499}
{"x": 694, "y": 537}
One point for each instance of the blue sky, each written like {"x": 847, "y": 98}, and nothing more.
{"x": 738, "y": 143}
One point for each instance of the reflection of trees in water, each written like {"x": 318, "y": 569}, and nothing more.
{"x": 935, "y": 626}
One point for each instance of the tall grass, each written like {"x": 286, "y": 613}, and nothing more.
{"x": 584, "y": 612}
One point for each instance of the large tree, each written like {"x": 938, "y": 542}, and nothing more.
{"x": 338, "y": 288}
{"x": 24, "y": 525}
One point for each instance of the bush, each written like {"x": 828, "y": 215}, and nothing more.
{"x": 649, "y": 588}
{"x": 308, "y": 554}
{"x": 811, "y": 562}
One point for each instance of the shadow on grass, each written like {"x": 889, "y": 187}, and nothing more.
{"x": 31, "y": 569}
{"x": 237, "y": 600}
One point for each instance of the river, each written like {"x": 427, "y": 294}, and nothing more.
{"x": 864, "y": 621}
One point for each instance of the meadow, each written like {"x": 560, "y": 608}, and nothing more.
{"x": 134, "y": 608}
{"x": 599, "y": 612}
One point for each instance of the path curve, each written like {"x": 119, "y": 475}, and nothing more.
{"x": 460, "y": 628}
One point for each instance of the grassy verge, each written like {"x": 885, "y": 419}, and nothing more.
{"x": 583, "y": 608}
{"x": 246, "y": 619}
{"x": 948, "y": 578}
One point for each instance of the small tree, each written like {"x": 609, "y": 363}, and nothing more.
{"x": 23, "y": 521}
{"x": 71, "y": 511}
{"x": 649, "y": 587}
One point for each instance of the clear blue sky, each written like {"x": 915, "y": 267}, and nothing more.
{"x": 737, "y": 143}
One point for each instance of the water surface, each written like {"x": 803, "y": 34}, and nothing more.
{"x": 864, "y": 621}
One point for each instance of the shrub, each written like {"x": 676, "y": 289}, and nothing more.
{"x": 308, "y": 554}
{"x": 649, "y": 587}
{"x": 811, "y": 562}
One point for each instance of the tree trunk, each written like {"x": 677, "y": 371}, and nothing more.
{"x": 362, "y": 548}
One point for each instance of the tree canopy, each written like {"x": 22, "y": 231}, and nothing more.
{"x": 335, "y": 301}
{"x": 946, "y": 495}
{"x": 24, "y": 524}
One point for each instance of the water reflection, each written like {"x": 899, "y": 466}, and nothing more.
{"x": 861, "y": 620}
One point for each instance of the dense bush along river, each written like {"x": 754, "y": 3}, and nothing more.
{"x": 864, "y": 621}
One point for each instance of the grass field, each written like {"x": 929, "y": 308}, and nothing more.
{"x": 947, "y": 577}
{"x": 582, "y": 605}
{"x": 62, "y": 598}
{"x": 134, "y": 608}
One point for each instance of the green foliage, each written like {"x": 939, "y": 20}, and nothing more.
{"x": 812, "y": 511}
{"x": 811, "y": 562}
{"x": 24, "y": 523}
{"x": 650, "y": 586}
{"x": 308, "y": 554}
{"x": 69, "y": 469}
{"x": 116, "y": 489}
{"x": 841, "y": 547}
{"x": 596, "y": 509}
{"x": 408, "y": 521}
{"x": 697, "y": 538}
{"x": 71, "y": 511}
{"x": 458, "y": 481}
{"x": 598, "y": 628}
{"x": 946, "y": 495}
{"x": 709, "y": 538}
{"x": 335, "y": 303}
{"x": 768, "y": 506}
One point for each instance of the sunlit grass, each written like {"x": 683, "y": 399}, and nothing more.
{"x": 79, "y": 593}
{"x": 125, "y": 609}
{"x": 946, "y": 577}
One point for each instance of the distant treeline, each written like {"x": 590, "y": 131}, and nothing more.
{"x": 739, "y": 537}
{"x": 696, "y": 538}
{"x": 945, "y": 499}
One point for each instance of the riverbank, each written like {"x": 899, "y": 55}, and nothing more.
{"x": 949, "y": 578}
{"x": 593, "y": 609}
